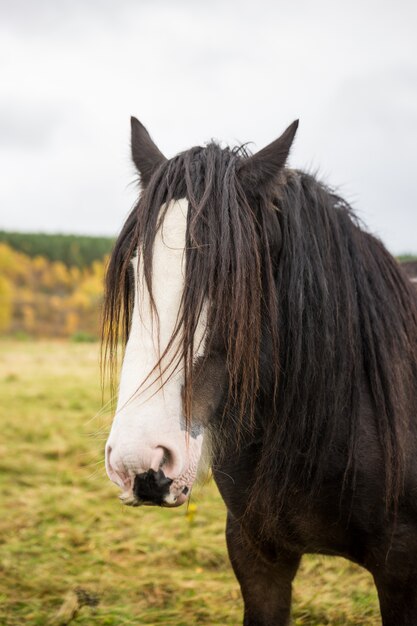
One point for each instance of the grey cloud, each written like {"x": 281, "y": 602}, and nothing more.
{"x": 28, "y": 126}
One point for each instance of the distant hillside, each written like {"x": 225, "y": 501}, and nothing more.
{"x": 72, "y": 250}
{"x": 405, "y": 258}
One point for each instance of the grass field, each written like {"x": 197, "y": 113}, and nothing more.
{"x": 71, "y": 553}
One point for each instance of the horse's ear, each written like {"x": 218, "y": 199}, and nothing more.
{"x": 262, "y": 169}
{"x": 146, "y": 156}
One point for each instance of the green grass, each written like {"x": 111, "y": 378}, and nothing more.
{"x": 63, "y": 529}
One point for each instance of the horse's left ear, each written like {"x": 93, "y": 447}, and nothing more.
{"x": 145, "y": 154}
{"x": 262, "y": 169}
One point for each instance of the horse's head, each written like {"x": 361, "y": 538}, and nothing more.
{"x": 185, "y": 286}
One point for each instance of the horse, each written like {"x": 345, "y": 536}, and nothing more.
{"x": 266, "y": 330}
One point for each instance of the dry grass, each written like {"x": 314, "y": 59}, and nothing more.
{"x": 66, "y": 542}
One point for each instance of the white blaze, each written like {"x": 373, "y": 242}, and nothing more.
{"x": 146, "y": 430}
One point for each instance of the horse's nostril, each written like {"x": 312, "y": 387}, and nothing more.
{"x": 152, "y": 486}
{"x": 165, "y": 458}
{"x": 117, "y": 475}
{"x": 168, "y": 460}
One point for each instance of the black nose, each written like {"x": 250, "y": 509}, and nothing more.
{"x": 151, "y": 486}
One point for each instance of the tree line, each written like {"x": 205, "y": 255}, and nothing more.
{"x": 72, "y": 250}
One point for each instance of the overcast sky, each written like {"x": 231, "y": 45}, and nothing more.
{"x": 72, "y": 72}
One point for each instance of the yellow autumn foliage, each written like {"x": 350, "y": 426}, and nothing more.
{"x": 6, "y": 305}
{"x": 42, "y": 298}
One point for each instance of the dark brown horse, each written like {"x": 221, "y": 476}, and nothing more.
{"x": 265, "y": 324}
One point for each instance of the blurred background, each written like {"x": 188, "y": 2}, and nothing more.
{"x": 71, "y": 75}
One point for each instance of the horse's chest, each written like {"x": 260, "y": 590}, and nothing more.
{"x": 301, "y": 527}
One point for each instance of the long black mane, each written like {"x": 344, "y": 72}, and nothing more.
{"x": 348, "y": 330}
{"x": 312, "y": 311}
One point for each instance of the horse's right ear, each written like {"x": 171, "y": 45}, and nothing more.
{"x": 146, "y": 156}
{"x": 261, "y": 170}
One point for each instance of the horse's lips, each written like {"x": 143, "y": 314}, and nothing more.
{"x": 129, "y": 499}
{"x": 179, "y": 501}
